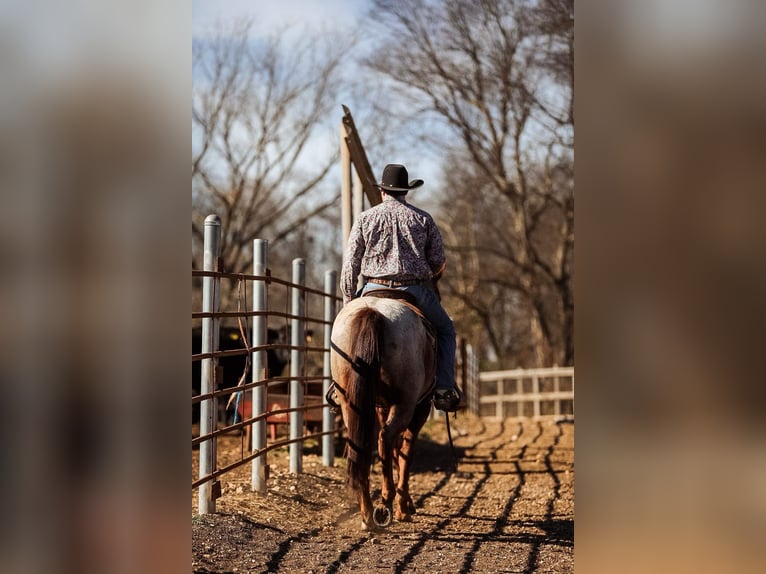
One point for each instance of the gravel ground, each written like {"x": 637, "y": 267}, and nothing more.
{"x": 506, "y": 505}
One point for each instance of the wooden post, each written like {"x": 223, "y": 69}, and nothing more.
{"x": 357, "y": 194}
{"x": 536, "y": 391}
{"x": 359, "y": 158}
{"x": 463, "y": 364}
{"x": 357, "y": 205}
{"x": 345, "y": 187}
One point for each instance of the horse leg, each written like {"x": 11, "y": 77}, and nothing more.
{"x": 365, "y": 505}
{"x": 405, "y": 508}
{"x": 384, "y": 451}
{"x": 388, "y": 439}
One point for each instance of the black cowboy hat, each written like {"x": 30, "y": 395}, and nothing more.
{"x": 395, "y": 179}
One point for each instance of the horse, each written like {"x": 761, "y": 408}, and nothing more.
{"x": 383, "y": 362}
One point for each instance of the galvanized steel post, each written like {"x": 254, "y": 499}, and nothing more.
{"x": 297, "y": 339}
{"x": 260, "y": 362}
{"x": 210, "y": 331}
{"x": 328, "y": 417}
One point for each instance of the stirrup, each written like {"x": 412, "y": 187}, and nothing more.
{"x": 447, "y": 400}
{"x": 331, "y": 397}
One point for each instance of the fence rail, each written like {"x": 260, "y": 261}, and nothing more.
{"x": 535, "y": 393}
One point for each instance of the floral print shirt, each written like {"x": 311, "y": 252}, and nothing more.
{"x": 393, "y": 240}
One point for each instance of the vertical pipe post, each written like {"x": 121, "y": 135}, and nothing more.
{"x": 297, "y": 339}
{"x": 210, "y": 331}
{"x": 328, "y": 417}
{"x": 260, "y": 361}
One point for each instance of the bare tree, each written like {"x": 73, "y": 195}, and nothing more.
{"x": 262, "y": 144}
{"x": 497, "y": 74}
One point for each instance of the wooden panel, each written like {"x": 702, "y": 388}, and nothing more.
{"x": 359, "y": 159}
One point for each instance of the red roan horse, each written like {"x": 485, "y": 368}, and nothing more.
{"x": 383, "y": 362}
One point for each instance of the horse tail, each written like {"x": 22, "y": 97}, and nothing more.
{"x": 365, "y": 336}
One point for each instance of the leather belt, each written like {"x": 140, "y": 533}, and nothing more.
{"x": 393, "y": 283}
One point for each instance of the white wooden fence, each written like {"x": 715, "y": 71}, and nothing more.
{"x": 529, "y": 393}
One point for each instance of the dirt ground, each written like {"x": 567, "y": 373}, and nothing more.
{"x": 507, "y": 505}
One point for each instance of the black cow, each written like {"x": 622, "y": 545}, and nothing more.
{"x": 233, "y": 366}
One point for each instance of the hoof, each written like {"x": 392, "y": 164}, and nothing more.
{"x": 403, "y": 517}
{"x": 405, "y": 508}
{"x": 382, "y": 516}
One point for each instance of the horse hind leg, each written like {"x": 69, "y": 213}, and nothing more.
{"x": 388, "y": 440}
{"x": 383, "y": 514}
{"x": 385, "y": 448}
{"x": 405, "y": 507}
{"x": 365, "y": 507}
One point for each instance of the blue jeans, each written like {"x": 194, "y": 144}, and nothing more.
{"x": 445, "y": 330}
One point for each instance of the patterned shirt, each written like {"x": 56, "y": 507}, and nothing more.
{"x": 393, "y": 240}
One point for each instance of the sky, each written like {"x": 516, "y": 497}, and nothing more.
{"x": 270, "y": 14}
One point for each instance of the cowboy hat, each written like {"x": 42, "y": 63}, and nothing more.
{"x": 395, "y": 179}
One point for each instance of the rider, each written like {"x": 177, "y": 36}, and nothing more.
{"x": 395, "y": 244}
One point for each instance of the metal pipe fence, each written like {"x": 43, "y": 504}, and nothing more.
{"x": 256, "y": 387}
